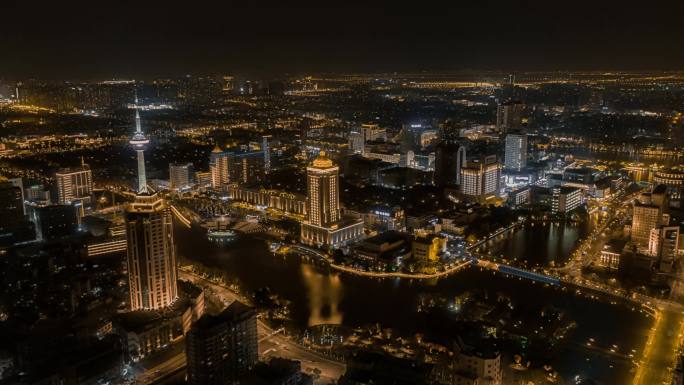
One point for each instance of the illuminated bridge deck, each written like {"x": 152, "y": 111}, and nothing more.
{"x": 517, "y": 272}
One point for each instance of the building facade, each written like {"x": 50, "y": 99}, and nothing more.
{"x": 450, "y": 157}
{"x": 181, "y": 176}
{"x": 647, "y": 214}
{"x": 266, "y": 148}
{"x": 357, "y": 144}
{"x": 481, "y": 179}
{"x": 509, "y": 116}
{"x": 272, "y": 199}
{"x": 323, "y": 180}
{"x": 516, "y": 152}
{"x": 74, "y": 184}
{"x": 221, "y": 349}
{"x": 151, "y": 254}
{"x": 218, "y": 167}
{"x": 246, "y": 167}
{"x": 325, "y": 225}
{"x": 56, "y": 221}
{"x": 566, "y": 199}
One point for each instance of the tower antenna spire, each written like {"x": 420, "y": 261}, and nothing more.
{"x": 139, "y": 142}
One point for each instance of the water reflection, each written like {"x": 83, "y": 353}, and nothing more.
{"x": 324, "y": 293}
{"x": 553, "y": 242}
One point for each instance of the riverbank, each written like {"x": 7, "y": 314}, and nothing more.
{"x": 307, "y": 251}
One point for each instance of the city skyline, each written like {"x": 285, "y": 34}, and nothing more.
{"x": 342, "y": 194}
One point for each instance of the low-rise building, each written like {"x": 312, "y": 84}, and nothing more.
{"x": 273, "y": 199}
{"x": 611, "y": 252}
{"x": 428, "y": 247}
{"x": 388, "y": 248}
{"x": 520, "y": 197}
{"x": 144, "y": 332}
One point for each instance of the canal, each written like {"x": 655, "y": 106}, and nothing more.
{"x": 539, "y": 243}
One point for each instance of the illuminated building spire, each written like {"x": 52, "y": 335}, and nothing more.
{"x": 139, "y": 142}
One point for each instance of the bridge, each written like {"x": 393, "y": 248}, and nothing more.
{"x": 650, "y": 304}
{"x": 179, "y": 215}
{"x": 494, "y": 235}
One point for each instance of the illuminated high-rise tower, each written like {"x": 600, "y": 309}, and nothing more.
{"x": 516, "y": 152}
{"x": 324, "y": 195}
{"x": 326, "y": 226}
{"x": 218, "y": 166}
{"x": 151, "y": 252}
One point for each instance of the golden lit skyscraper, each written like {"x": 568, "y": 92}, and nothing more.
{"x": 151, "y": 253}
{"x": 326, "y": 227}
{"x": 323, "y": 186}
{"x": 218, "y": 166}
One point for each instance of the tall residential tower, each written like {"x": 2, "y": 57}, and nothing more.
{"x": 516, "y": 152}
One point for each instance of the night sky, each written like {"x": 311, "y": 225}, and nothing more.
{"x": 103, "y": 39}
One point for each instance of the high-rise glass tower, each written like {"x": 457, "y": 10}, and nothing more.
{"x": 516, "y": 152}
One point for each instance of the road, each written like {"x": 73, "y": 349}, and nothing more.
{"x": 655, "y": 367}
{"x": 159, "y": 373}
{"x": 665, "y": 337}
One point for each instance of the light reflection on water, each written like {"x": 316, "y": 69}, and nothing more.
{"x": 540, "y": 243}
{"x": 324, "y": 293}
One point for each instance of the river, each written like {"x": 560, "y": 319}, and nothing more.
{"x": 553, "y": 242}
{"x": 321, "y": 296}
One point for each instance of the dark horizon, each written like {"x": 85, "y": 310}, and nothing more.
{"x": 57, "y": 41}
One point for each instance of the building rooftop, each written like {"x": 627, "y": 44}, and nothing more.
{"x": 386, "y": 237}
{"x": 660, "y": 189}
{"x": 236, "y": 312}
{"x": 615, "y": 245}
{"x": 322, "y": 161}
{"x": 568, "y": 189}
